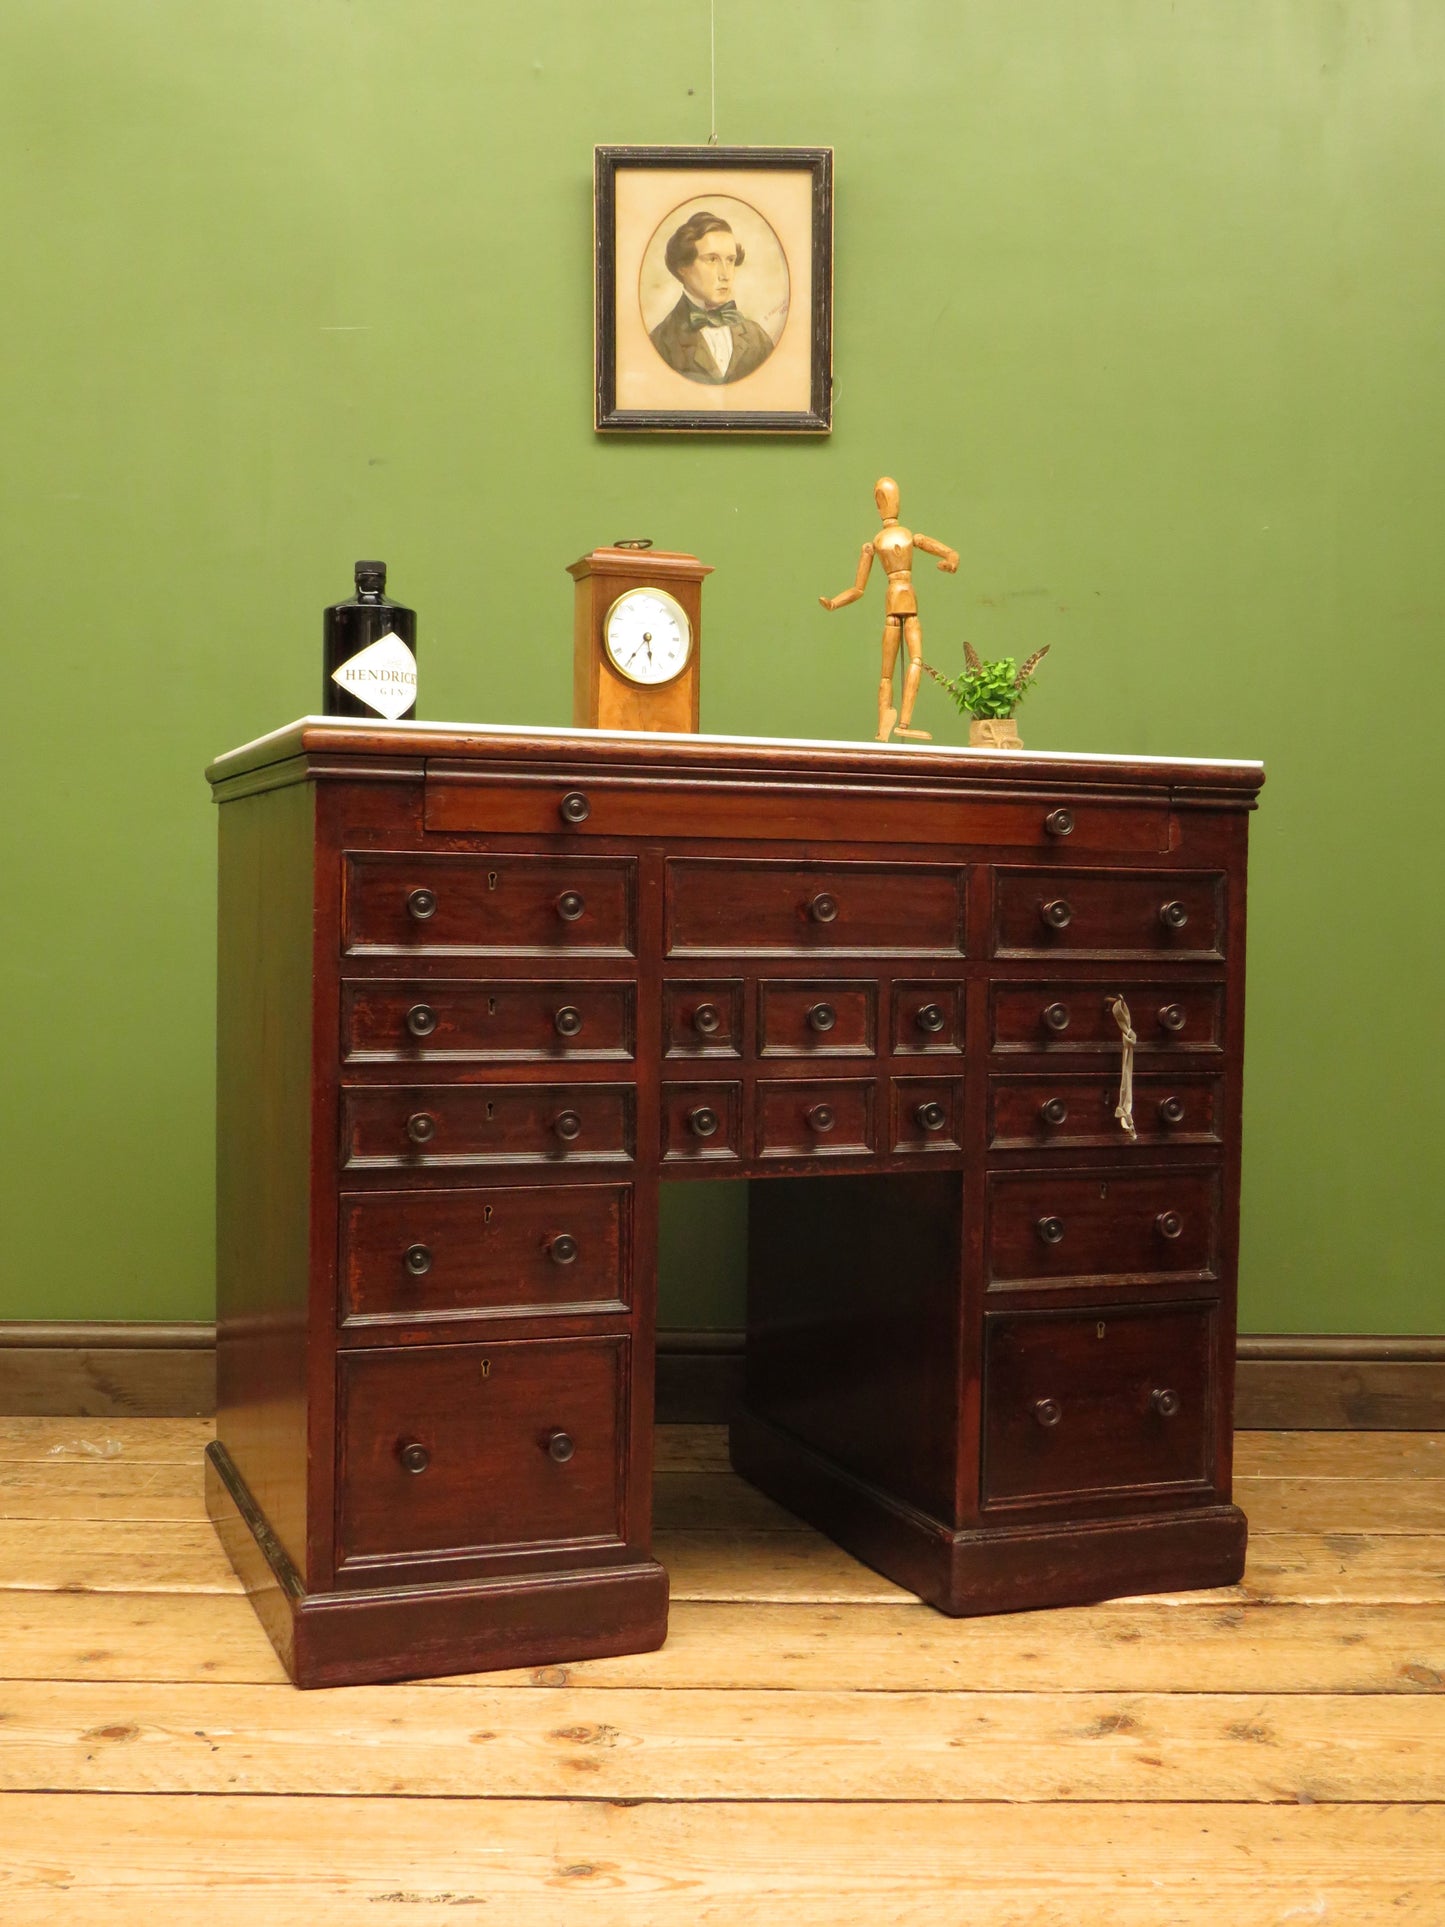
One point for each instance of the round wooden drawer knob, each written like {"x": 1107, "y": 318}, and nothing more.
{"x": 1173, "y": 916}
{"x": 421, "y": 1127}
{"x": 418, "y": 1260}
{"x": 823, "y": 908}
{"x": 1047, "y": 1412}
{"x": 1172, "y": 1017}
{"x": 1056, "y": 1017}
{"x": 703, "y": 1121}
{"x": 1054, "y": 1111}
{"x": 574, "y": 807}
{"x": 421, "y": 904}
{"x": 421, "y": 1020}
{"x": 1059, "y": 822}
{"x": 560, "y": 1447}
{"x": 1051, "y": 1230}
{"x": 707, "y": 1020}
{"x": 1057, "y": 915}
{"x": 571, "y": 905}
{"x": 822, "y": 1017}
{"x": 563, "y": 1249}
{"x": 1169, "y": 1224}
{"x": 568, "y": 1021}
{"x": 821, "y": 1117}
{"x": 930, "y": 1115}
{"x": 1166, "y": 1403}
{"x": 1171, "y": 1110}
{"x": 931, "y": 1018}
{"x": 567, "y": 1125}
{"x": 413, "y": 1455}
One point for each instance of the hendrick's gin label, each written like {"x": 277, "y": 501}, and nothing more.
{"x": 369, "y": 652}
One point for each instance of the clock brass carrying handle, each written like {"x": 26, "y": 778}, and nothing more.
{"x": 823, "y": 908}
{"x": 574, "y": 807}
{"x": 417, "y": 1259}
{"x": 1169, "y": 1224}
{"x": 567, "y": 1125}
{"x": 1059, "y": 822}
{"x": 821, "y": 1117}
{"x": 822, "y": 1017}
{"x": 421, "y": 1020}
{"x": 930, "y": 1115}
{"x": 413, "y": 1455}
{"x": 707, "y": 1020}
{"x": 1172, "y": 1017}
{"x": 1054, "y": 1110}
{"x": 1173, "y": 915}
{"x": 421, "y": 1127}
{"x": 570, "y": 905}
{"x": 1056, "y": 1016}
{"x": 560, "y": 1447}
{"x": 1051, "y": 1230}
{"x": 1171, "y": 1110}
{"x": 421, "y": 904}
{"x": 1165, "y": 1402}
{"x": 1057, "y": 915}
{"x": 562, "y": 1249}
{"x": 702, "y": 1121}
{"x": 633, "y": 542}
{"x": 1047, "y": 1412}
{"x": 568, "y": 1021}
{"x": 930, "y": 1017}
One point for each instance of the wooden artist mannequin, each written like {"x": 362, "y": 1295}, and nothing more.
{"x": 894, "y": 546}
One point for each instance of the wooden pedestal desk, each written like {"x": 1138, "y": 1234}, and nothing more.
{"x": 481, "y": 989}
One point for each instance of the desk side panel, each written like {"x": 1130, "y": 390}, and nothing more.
{"x": 263, "y": 1147}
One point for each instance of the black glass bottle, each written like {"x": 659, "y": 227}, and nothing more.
{"x": 372, "y": 641}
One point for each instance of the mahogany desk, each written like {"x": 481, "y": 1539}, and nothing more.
{"x": 481, "y": 989}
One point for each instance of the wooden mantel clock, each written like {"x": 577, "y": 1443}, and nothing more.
{"x": 636, "y": 637}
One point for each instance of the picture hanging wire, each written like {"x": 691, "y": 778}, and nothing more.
{"x": 712, "y": 61}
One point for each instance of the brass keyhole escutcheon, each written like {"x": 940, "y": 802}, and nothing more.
{"x": 486, "y": 1368}
{"x": 486, "y": 1214}
{"x": 491, "y": 1112}
{"x": 491, "y": 1006}
{"x": 491, "y": 879}
{"x": 1099, "y": 1330}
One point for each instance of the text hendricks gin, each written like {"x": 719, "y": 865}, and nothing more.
{"x": 369, "y": 652}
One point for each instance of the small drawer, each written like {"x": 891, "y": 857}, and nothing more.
{"x": 449, "y": 1449}
{"x": 1076, "y": 1229}
{"x": 927, "y": 1020}
{"x": 411, "y": 1256}
{"x": 770, "y": 909}
{"x": 830, "y": 1117}
{"x": 927, "y": 1113}
{"x": 701, "y": 1123}
{"x": 1075, "y": 1016}
{"x": 1043, "y": 913}
{"x": 531, "y": 906}
{"x": 438, "y": 1017}
{"x": 485, "y": 1124}
{"x": 1064, "y": 1111}
{"x": 837, "y": 1019}
{"x": 1096, "y": 1402}
{"x": 702, "y": 1019}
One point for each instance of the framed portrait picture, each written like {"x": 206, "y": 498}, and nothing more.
{"x": 714, "y": 288}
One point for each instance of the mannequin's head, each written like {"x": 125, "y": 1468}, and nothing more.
{"x": 885, "y": 494}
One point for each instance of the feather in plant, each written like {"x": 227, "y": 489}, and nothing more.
{"x": 1030, "y": 666}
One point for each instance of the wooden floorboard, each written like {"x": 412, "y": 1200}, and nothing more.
{"x": 811, "y": 1743}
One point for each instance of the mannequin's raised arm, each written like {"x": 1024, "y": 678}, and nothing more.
{"x": 947, "y": 557}
{"x": 865, "y": 563}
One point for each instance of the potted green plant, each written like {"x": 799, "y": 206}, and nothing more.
{"x": 988, "y": 693}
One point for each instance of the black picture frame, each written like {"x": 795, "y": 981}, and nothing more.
{"x": 815, "y": 416}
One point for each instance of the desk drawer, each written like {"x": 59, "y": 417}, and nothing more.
{"x": 927, "y": 1019}
{"x": 441, "y": 1017}
{"x": 1072, "y": 1015}
{"x": 830, "y": 1117}
{"x": 1096, "y": 1402}
{"x": 1077, "y": 1228}
{"x": 1058, "y": 1111}
{"x": 703, "y": 1019}
{"x": 454, "y": 1448}
{"x": 526, "y": 905}
{"x": 827, "y": 1019}
{"x": 702, "y": 1123}
{"x": 767, "y": 909}
{"x": 1043, "y": 913}
{"x": 419, "y": 1255}
{"x": 927, "y": 1113}
{"x": 485, "y": 1124}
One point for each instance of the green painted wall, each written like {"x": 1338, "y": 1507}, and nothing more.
{"x": 1141, "y": 304}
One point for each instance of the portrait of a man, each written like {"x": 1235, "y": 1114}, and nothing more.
{"x": 707, "y": 337}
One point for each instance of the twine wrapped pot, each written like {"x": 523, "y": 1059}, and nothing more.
{"x": 994, "y": 732}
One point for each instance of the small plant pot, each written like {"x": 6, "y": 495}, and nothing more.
{"x": 994, "y": 732}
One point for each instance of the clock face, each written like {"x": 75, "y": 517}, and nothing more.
{"x": 648, "y": 636}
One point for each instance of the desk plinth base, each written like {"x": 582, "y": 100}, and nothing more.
{"x": 993, "y": 1569}
{"x": 422, "y": 1632}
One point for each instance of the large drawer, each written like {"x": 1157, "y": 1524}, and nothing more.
{"x": 1073, "y": 1015}
{"x": 1101, "y": 913}
{"x": 393, "y": 902}
{"x": 1099, "y": 1401}
{"x": 1053, "y": 1110}
{"x": 443, "y": 1017}
{"x": 456, "y": 1448}
{"x": 1077, "y": 1229}
{"x": 769, "y": 909}
{"x": 485, "y": 1124}
{"x": 411, "y": 1256}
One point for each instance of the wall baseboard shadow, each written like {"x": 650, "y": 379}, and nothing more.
{"x": 123, "y": 1370}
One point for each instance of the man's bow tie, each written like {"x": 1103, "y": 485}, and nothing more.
{"x": 722, "y": 317}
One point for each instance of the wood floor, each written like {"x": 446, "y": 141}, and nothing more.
{"x": 812, "y": 1746}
